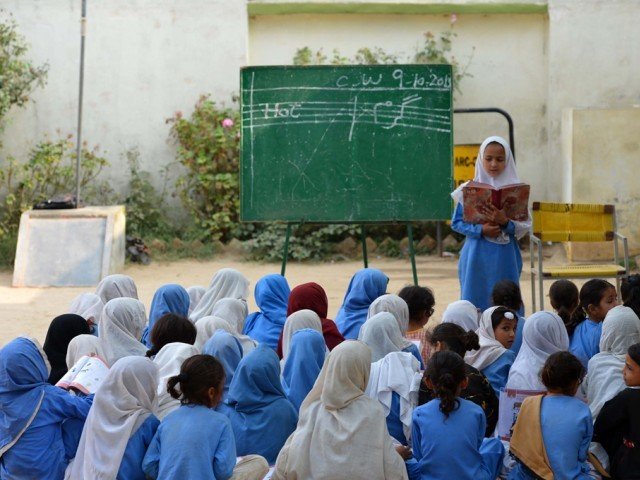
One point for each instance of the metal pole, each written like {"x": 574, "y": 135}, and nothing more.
{"x": 412, "y": 253}
{"x": 285, "y": 252}
{"x": 363, "y": 234}
{"x": 83, "y": 33}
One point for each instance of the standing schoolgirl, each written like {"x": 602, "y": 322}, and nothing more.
{"x": 448, "y": 432}
{"x": 195, "y": 441}
{"x": 490, "y": 252}
{"x": 552, "y": 434}
{"x": 37, "y": 420}
{"x": 597, "y": 297}
{"x": 497, "y": 333}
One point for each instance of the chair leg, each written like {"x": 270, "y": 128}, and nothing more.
{"x": 540, "y": 280}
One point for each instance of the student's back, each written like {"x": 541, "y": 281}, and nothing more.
{"x": 186, "y": 442}
{"x": 449, "y": 447}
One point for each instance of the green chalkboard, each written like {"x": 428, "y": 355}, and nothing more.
{"x": 346, "y": 143}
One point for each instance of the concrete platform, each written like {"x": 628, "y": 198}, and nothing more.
{"x": 65, "y": 248}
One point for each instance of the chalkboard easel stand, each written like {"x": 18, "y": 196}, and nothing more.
{"x": 365, "y": 259}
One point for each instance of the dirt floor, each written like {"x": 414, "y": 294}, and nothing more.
{"x": 29, "y": 310}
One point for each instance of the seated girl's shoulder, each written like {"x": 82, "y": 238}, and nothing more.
{"x": 508, "y": 356}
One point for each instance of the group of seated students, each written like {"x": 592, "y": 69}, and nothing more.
{"x": 200, "y": 389}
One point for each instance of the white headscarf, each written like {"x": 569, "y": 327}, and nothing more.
{"x": 169, "y": 360}
{"x": 396, "y": 306}
{"x": 121, "y": 324}
{"x": 195, "y": 294}
{"x": 123, "y": 402}
{"x": 226, "y": 283}
{"x": 381, "y": 334}
{"x": 620, "y": 330}
{"x": 490, "y": 348}
{"x": 398, "y": 372}
{"x": 206, "y": 328}
{"x": 116, "y": 286}
{"x": 83, "y": 345}
{"x": 297, "y": 321}
{"x": 544, "y": 333}
{"x": 89, "y": 306}
{"x": 235, "y": 311}
{"x": 339, "y": 423}
{"x": 462, "y": 313}
{"x": 508, "y": 176}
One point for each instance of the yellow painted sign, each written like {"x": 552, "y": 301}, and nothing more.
{"x": 464, "y": 163}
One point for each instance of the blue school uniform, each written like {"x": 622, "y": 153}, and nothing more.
{"x": 51, "y": 437}
{"x": 566, "y": 433}
{"x": 191, "y": 442}
{"x": 413, "y": 350}
{"x": 228, "y": 350}
{"x": 131, "y": 464}
{"x": 517, "y": 343}
{"x": 498, "y": 372}
{"x": 454, "y": 447}
{"x": 272, "y": 296}
{"x": 585, "y": 341}
{"x": 483, "y": 263}
{"x": 303, "y": 365}
{"x": 170, "y": 298}
{"x": 261, "y": 416}
{"x": 365, "y": 286}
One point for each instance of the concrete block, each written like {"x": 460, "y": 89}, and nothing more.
{"x": 69, "y": 248}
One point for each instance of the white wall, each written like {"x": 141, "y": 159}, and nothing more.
{"x": 145, "y": 60}
{"x": 509, "y": 65}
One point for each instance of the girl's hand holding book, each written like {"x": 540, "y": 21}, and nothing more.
{"x": 491, "y": 230}
{"x": 493, "y": 214}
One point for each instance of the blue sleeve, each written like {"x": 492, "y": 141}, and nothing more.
{"x": 131, "y": 464}
{"x": 583, "y": 451}
{"x": 224, "y": 457}
{"x": 415, "y": 437}
{"x": 151, "y": 461}
{"x": 65, "y": 406}
{"x": 510, "y": 228}
{"x": 71, "y": 433}
{"x": 482, "y": 426}
{"x": 471, "y": 230}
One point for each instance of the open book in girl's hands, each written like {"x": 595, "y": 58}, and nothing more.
{"x": 513, "y": 199}
{"x": 85, "y": 376}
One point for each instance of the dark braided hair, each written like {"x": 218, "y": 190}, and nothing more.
{"x": 197, "y": 375}
{"x": 171, "y": 328}
{"x": 454, "y": 337}
{"x": 564, "y": 298}
{"x": 630, "y": 291}
{"x": 561, "y": 371}
{"x": 446, "y": 372}
{"x": 507, "y": 294}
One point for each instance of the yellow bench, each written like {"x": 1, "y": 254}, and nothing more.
{"x": 574, "y": 222}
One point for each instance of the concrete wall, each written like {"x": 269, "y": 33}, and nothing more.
{"x": 145, "y": 60}
{"x": 492, "y": 44}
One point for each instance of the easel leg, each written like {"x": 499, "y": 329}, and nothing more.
{"x": 363, "y": 234}
{"x": 412, "y": 253}
{"x": 285, "y": 252}
{"x": 439, "y": 237}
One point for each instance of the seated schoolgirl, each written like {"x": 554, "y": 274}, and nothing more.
{"x": 234, "y": 311}
{"x": 597, "y": 297}
{"x": 168, "y": 360}
{"x": 365, "y": 286}
{"x": 82, "y": 345}
{"x": 169, "y": 298}
{"x": 116, "y": 286}
{"x": 62, "y": 330}
{"x": 89, "y": 306}
{"x": 261, "y": 415}
{"x": 208, "y": 326}
{"x": 617, "y": 427}
{"x": 311, "y": 296}
{"x": 226, "y": 283}
{"x": 342, "y": 433}
{"x": 552, "y": 434}
{"x": 496, "y": 333}
{"x": 462, "y": 313}
{"x": 228, "y": 351}
{"x": 620, "y": 330}
{"x": 37, "y": 420}
{"x": 507, "y": 294}
{"x": 195, "y": 441}
{"x": 448, "y": 432}
{"x": 170, "y": 328}
{"x": 420, "y": 301}
{"x": 394, "y": 382}
{"x": 396, "y": 306}
{"x": 120, "y": 425}
{"x": 302, "y": 319}
{"x": 543, "y": 334}
{"x": 630, "y": 293}
{"x": 382, "y": 335}
{"x": 565, "y": 299}
{"x": 121, "y": 325}
{"x": 272, "y": 296}
{"x": 196, "y": 292}
{"x": 449, "y": 336}
{"x": 304, "y": 362}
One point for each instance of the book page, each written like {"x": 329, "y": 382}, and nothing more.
{"x": 68, "y": 377}
{"x": 509, "y": 407}
{"x": 90, "y": 376}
